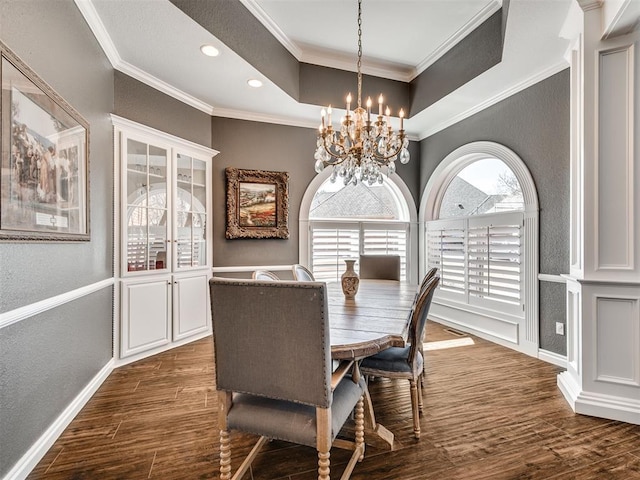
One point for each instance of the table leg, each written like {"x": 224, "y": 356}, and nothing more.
{"x": 375, "y": 434}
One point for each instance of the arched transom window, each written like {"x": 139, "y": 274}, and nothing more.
{"x": 346, "y": 221}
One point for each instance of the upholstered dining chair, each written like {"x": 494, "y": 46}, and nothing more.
{"x": 406, "y": 362}
{"x": 380, "y": 267}
{"x": 264, "y": 275}
{"x": 274, "y": 371}
{"x": 302, "y": 273}
{"x": 428, "y": 276}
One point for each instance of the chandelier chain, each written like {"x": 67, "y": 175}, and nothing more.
{"x": 359, "y": 53}
{"x": 364, "y": 143}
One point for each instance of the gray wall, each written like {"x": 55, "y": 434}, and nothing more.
{"x": 46, "y": 360}
{"x": 242, "y": 144}
{"x": 138, "y": 102}
{"x": 535, "y": 125}
{"x": 262, "y": 146}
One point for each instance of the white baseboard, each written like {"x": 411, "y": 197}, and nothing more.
{"x": 38, "y": 450}
{"x": 553, "y": 358}
{"x": 597, "y": 404}
{"x": 169, "y": 346}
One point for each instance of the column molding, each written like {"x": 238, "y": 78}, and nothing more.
{"x": 603, "y": 288}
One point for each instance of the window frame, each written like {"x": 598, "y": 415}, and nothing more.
{"x": 520, "y": 332}
{"x": 362, "y": 226}
{"x": 405, "y": 199}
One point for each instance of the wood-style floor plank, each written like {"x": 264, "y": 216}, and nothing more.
{"x": 490, "y": 413}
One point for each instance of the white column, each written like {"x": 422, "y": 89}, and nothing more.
{"x": 603, "y": 287}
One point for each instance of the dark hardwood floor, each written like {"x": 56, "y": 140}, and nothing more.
{"x": 490, "y": 413}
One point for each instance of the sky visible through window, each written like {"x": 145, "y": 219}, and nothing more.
{"x": 485, "y": 175}
{"x": 484, "y": 186}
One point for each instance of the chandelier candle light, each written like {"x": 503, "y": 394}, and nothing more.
{"x": 361, "y": 148}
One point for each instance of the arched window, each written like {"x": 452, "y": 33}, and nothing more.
{"x": 481, "y": 227}
{"x": 339, "y": 222}
{"x": 485, "y": 186}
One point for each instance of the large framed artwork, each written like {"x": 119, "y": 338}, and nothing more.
{"x": 44, "y": 191}
{"x": 257, "y": 204}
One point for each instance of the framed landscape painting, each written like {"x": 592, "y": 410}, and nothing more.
{"x": 44, "y": 176}
{"x": 257, "y": 204}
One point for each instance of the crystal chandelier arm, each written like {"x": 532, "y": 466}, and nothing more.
{"x": 329, "y": 147}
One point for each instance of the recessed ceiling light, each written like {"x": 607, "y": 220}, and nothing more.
{"x": 255, "y": 83}
{"x": 210, "y": 50}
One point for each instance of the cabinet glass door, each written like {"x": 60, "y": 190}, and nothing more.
{"x": 191, "y": 216}
{"x": 146, "y": 215}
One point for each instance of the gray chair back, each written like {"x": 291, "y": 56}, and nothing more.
{"x": 264, "y": 275}
{"x": 302, "y": 274}
{"x": 419, "y": 317}
{"x": 432, "y": 271}
{"x": 380, "y": 267}
{"x": 271, "y": 339}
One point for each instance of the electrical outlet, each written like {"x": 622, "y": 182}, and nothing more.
{"x": 560, "y": 328}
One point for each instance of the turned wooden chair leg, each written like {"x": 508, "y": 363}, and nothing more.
{"x": 225, "y": 455}
{"x": 359, "y": 421}
{"x": 420, "y": 402}
{"x": 415, "y": 408}
{"x": 323, "y": 465}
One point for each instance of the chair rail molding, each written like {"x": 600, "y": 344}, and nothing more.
{"x": 27, "y": 311}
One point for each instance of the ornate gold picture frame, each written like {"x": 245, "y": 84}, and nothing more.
{"x": 257, "y": 204}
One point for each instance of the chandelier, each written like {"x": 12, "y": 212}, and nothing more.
{"x": 362, "y": 148}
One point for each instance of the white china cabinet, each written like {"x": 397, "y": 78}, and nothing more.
{"x": 163, "y": 240}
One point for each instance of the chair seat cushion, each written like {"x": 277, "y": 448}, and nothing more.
{"x": 289, "y": 421}
{"x": 394, "y": 360}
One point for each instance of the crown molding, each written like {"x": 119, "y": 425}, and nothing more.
{"x": 164, "y": 87}
{"x": 348, "y": 63}
{"x": 558, "y": 67}
{"x": 275, "y": 119}
{"x": 371, "y": 67}
{"x": 258, "y": 12}
{"x": 587, "y": 5}
{"x": 92, "y": 18}
{"x": 454, "y": 39}
{"x": 263, "y": 118}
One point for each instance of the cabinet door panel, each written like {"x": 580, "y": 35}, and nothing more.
{"x": 145, "y": 206}
{"x": 190, "y": 305}
{"x": 145, "y": 315}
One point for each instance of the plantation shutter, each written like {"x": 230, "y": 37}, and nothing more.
{"x": 479, "y": 259}
{"x": 495, "y": 258}
{"x": 330, "y": 246}
{"x": 385, "y": 240}
{"x": 332, "y": 243}
{"x": 446, "y": 241}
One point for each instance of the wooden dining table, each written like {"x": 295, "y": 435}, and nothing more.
{"x": 376, "y": 318}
